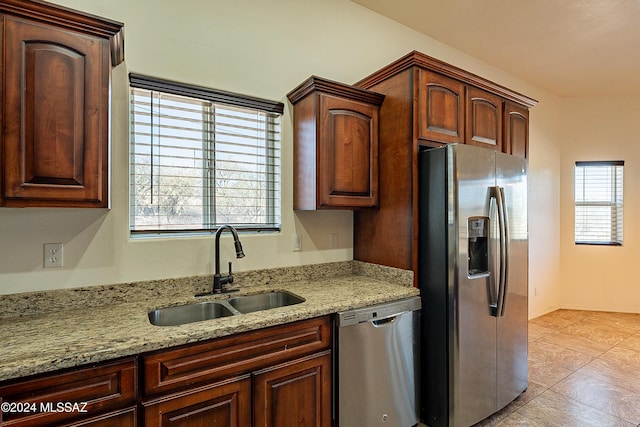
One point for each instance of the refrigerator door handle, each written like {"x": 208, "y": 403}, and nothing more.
{"x": 498, "y": 308}
{"x": 504, "y": 260}
{"x": 496, "y": 271}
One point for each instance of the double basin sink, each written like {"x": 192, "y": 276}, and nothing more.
{"x": 196, "y": 312}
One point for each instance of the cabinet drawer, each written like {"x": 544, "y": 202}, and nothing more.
{"x": 102, "y": 388}
{"x": 192, "y": 365}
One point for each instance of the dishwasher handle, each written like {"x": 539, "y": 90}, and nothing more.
{"x": 384, "y": 322}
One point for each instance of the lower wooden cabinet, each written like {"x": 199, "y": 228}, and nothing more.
{"x": 227, "y": 403}
{"x": 83, "y": 396}
{"x": 294, "y": 394}
{"x": 127, "y": 417}
{"x": 272, "y": 377}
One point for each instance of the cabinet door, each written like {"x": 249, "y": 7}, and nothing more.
{"x": 181, "y": 368}
{"x": 484, "y": 119}
{"x": 516, "y": 129}
{"x": 225, "y": 404}
{"x": 347, "y": 153}
{"x": 294, "y": 394}
{"x": 56, "y": 89}
{"x": 440, "y": 108}
{"x": 103, "y": 388}
{"x": 124, "y": 418}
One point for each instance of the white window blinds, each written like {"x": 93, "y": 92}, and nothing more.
{"x": 599, "y": 202}
{"x": 198, "y": 163}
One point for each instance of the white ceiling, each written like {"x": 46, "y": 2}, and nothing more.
{"x": 568, "y": 47}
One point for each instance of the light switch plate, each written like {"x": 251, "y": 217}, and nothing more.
{"x": 334, "y": 240}
{"x": 53, "y": 255}
{"x": 296, "y": 243}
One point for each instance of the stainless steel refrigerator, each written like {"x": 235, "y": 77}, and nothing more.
{"x": 472, "y": 255}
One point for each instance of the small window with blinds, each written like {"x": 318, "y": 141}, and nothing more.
{"x": 599, "y": 202}
{"x": 201, "y": 158}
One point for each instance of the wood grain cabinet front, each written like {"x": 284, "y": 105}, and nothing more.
{"x": 440, "y": 108}
{"x": 55, "y": 108}
{"x": 127, "y": 417}
{"x": 484, "y": 119}
{"x": 516, "y": 130}
{"x": 335, "y": 145}
{"x": 227, "y": 404}
{"x": 428, "y": 103}
{"x": 293, "y": 394}
{"x": 278, "y": 376}
{"x": 93, "y": 395}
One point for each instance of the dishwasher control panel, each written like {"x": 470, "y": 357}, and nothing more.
{"x": 377, "y": 312}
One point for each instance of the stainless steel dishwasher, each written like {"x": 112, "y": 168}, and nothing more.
{"x": 376, "y": 365}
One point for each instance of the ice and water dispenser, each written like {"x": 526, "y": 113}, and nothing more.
{"x": 478, "y": 239}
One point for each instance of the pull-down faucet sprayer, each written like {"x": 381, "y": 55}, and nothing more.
{"x": 219, "y": 280}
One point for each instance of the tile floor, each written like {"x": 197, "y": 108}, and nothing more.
{"x": 584, "y": 370}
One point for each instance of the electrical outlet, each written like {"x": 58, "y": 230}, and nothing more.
{"x": 53, "y": 255}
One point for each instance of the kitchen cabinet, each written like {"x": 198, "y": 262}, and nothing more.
{"x": 516, "y": 129}
{"x": 55, "y": 110}
{"x": 484, "y": 119}
{"x": 449, "y": 111}
{"x": 440, "y": 108}
{"x": 227, "y": 403}
{"x": 428, "y": 103}
{"x": 278, "y": 376}
{"x": 296, "y": 393}
{"x": 256, "y": 375}
{"x": 109, "y": 391}
{"x": 124, "y": 418}
{"x": 335, "y": 145}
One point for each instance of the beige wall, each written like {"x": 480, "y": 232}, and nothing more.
{"x": 544, "y": 208}
{"x": 601, "y": 277}
{"x": 261, "y": 49}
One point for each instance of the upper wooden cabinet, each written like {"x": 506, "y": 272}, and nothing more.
{"x": 55, "y": 110}
{"x": 335, "y": 145}
{"x": 428, "y": 103}
{"x": 516, "y": 129}
{"x": 450, "y": 111}
{"x": 484, "y": 119}
{"x": 440, "y": 108}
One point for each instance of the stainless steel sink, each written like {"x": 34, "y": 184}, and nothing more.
{"x": 179, "y": 315}
{"x": 197, "y": 312}
{"x": 264, "y": 301}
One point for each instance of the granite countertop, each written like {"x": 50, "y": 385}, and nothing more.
{"x": 47, "y": 331}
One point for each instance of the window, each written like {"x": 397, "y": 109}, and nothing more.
{"x": 598, "y": 202}
{"x": 201, "y": 158}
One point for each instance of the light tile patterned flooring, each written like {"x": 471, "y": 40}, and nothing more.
{"x": 584, "y": 370}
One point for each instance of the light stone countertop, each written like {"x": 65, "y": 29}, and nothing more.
{"x": 93, "y": 324}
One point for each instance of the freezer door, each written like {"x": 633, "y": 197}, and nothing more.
{"x": 511, "y": 175}
{"x": 472, "y": 332}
